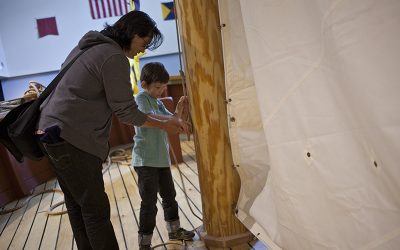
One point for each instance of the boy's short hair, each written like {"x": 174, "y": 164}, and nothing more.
{"x": 154, "y": 72}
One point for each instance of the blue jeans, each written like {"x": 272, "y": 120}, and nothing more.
{"x": 151, "y": 181}
{"x": 80, "y": 177}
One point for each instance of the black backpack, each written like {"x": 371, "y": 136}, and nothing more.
{"x": 18, "y": 127}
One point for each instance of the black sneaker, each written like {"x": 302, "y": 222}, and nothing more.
{"x": 181, "y": 234}
{"x": 145, "y": 247}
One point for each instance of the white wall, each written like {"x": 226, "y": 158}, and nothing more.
{"x": 3, "y": 64}
{"x": 24, "y": 53}
{"x": 16, "y": 86}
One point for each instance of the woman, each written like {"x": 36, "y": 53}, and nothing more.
{"x": 75, "y": 121}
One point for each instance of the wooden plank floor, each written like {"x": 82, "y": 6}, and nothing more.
{"x": 32, "y": 228}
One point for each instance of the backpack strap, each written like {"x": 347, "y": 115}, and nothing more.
{"x": 47, "y": 91}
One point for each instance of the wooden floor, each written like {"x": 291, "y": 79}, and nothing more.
{"x": 32, "y": 228}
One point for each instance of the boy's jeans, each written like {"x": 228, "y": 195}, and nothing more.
{"x": 80, "y": 178}
{"x": 151, "y": 181}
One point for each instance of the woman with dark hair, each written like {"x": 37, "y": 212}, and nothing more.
{"x": 140, "y": 24}
{"x": 75, "y": 121}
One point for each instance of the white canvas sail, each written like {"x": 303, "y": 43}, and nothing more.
{"x": 314, "y": 90}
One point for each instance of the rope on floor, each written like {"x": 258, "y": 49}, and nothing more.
{"x": 121, "y": 154}
{"x": 115, "y": 155}
{"x": 30, "y": 197}
{"x": 183, "y": 244}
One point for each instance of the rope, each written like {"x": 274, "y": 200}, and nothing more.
{"x": 170, "y": 243}
{"x": 183, "y": 184}
{"x": 115, "y": 155}
{"x": 179, "y": 51}
{"x": 185, "y": 93}
{"x": 183, "y": 83}
{"x": 29, "y": 198}
{"x": 182, "y": 73}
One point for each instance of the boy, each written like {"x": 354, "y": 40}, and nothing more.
{"x": 150, "y": 158}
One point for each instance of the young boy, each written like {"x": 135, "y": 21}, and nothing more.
{"x": 150, "y": 158}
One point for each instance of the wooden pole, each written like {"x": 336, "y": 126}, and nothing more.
{"x": 200, "y": 32}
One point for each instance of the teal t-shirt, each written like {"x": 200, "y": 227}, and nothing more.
{"x": 151, "y": 146}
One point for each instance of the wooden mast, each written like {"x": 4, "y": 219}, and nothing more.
{"x": 199, "y": 28}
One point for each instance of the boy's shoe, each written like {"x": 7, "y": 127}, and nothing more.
{"x": 144, "y": 247}
{"x": 181, "y": 234}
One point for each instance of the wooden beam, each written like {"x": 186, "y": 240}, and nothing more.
{"x": 204, "y": 72}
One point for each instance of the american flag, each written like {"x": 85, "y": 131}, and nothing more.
{"x": 108, "y": 8}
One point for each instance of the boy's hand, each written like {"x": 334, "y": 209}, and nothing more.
{"x": 184, "y": 128}
{"x": 182, "y": 106}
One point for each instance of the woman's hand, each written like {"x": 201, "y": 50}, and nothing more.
{"x": 171, "y": 125}
{"x": 174, "y": 122}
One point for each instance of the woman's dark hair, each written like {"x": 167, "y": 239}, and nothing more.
{"x": 131, "y": 24}
{"x": 154, "y": 72}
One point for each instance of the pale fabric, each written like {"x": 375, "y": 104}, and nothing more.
{"x": 315, "y": 120}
